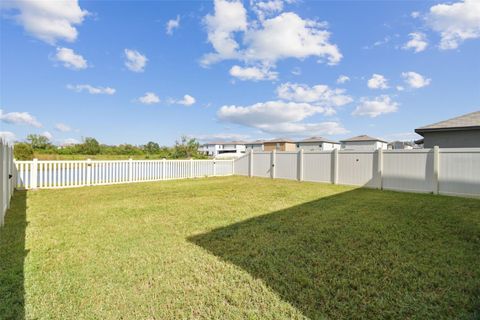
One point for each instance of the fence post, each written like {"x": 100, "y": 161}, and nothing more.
{"x": 214, "y": 167}
{"x": 335, "y": 166}
{"x": 380, "y": 168}
{"x": 89, "y": 172}
{"x": 274, "y": 160}
{"x": 300, "y": 165}
{"x": 34, "y": 174}
{"x": 250, "y": 166}
{"x": 2, "y": 182}
{"x": 130, "y": 170}
{"x": 191, "y": 167}
{"x": 164, "y": 161}
{"x": 436, "y": 169}
{"x": 233, "y": 167}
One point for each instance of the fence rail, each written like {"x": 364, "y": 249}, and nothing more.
{"x": 66, "y": 174}
{"x": 7, "y": 181}
{"x": 452, "y": 171}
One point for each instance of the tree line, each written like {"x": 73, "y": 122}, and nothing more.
{"x": 35, "y": 144}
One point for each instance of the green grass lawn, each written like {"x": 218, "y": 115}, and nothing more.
{"x": 239, "y": 248}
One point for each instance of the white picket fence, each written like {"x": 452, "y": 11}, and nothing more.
{"x": 7, "y": 181}
{"x": 65, "y": 174}
{"x": 446, "y": 171}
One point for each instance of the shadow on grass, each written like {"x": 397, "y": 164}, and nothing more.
{"x": 12, "y": 256}
{"x": 363, "y": 254}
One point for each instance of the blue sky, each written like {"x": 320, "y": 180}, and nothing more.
{"x": 235, "y": 70}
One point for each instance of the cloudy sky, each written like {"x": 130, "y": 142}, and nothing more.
{"x": 133, "y": 71}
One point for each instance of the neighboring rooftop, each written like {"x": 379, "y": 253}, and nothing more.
{"x": 223, "y": 142}
{"x": 466, "y": 121}
{"x": 317, "y": 139}
{"x": 279, "y": 140}
{"x": 256, "y": 142}
{"x": 362, "y": 137}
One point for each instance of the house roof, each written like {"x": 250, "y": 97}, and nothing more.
{"x": 255, "y": 142}
{"x": 279, "y": 140}
{"x": 463, "y": 122}
{"x": 317, "y": 139}
{"x": 362, "y": 137}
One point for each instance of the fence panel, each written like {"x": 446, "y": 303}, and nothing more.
{"x": 242, "y": 165}
{"x": 286, "y": 166}
{"x": 67, "y": 174}
{"x": 7, "y": 173}
{"x": 459, "y": 172}
{"x": 357, "y": 168}
{"x": 317, "y": 166}
{"x": 262, "y": 164}
{"x": 408, "y": 170}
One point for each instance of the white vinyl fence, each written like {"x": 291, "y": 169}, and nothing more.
{"x": 63, "y": 174}
{"x": 445, "y": 171}
{"x": 7, "y": 181}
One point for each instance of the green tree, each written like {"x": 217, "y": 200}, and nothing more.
{"x": 38, "y": 142}
{"x": 151, "y": 148}
{"x": 90, "y": 146}
{"x": 23, "y": 151}
{"x": 186, "y": 148}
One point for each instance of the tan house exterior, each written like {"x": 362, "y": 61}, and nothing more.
{"x": 279, "y": 145}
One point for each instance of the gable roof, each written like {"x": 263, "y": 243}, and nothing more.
{"x": 279, "y": 140}
{"x": 362, "y": 137}
{"x": 463, "y": 122}
{"x": 256, "y": 142}
{"x": 317, "y": 139}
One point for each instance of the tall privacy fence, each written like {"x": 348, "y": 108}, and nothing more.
{"x": 440, "y": 171}
{"x": 65, "y": 174}
{"x": 7, "y": 181}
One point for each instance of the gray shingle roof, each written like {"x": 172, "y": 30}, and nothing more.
{"x": 362, "y": 137}
{"x": 317, "y": 139}
{"x": 469, "y": 120}
{"x": 279, "y": 140}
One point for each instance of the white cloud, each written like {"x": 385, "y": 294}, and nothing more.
{"x": 172, "y": 24}
{"x": 417, "y": 43}
{"x": 342, "y": 79}
{"x": 265, "y": 41}
{"x": 267, "y": 8}
{"x": 377, "y": 81}
{"x": 47, "y": 135}
{"x": 149, "y": 98}
{"x": 70, "y": 59}
{"x": 289, "y": 36}
{"x": 7, "y": 136}
{"x": 415, "y": 80}
{"x": 229, "y": 17}
{"x": 321, "y": 95}
{"x": 19, "y": 118}
{"x": 455, "y": 22}
{"x": 373, "y": 108}
{"x": 91, "y": 89}
{"x": 279, "y": 117}
{"x": 253, "y": 73}
{"x": 400, "y": 88}
{"x": 62, "y": 127}
{"x": 48, "y": 21}
{"x": 187, "y": 100}
{"x": 415, "y": 14}
{"x": 136, "y": 61}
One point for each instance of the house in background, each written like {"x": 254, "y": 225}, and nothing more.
{"x": 215, "y": 149}
{"x": 459, "y": 132}
{"x": 279, "y": 145}
{"x": 317, "y": 144}
{"x": 256, "y": 145}
{"x": 363, "y": 142}
{"x": 396, "y": 145}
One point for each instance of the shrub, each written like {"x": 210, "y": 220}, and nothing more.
{"x": 23, "y": 151}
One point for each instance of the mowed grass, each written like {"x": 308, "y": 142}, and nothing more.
{"x": 239, "y": 248}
